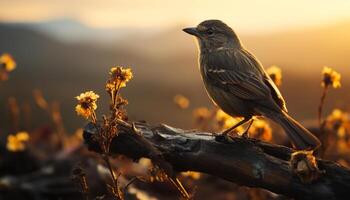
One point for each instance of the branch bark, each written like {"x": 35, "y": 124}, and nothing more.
{"x": 247, "y": 162}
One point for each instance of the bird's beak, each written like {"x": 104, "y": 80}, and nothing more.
{"x": 191, "y": 31}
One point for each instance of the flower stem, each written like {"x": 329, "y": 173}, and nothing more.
{"x": 116, "y": 93}
{"x": 117, "y": 191}
{"x": 320, "y": 107}
{"x": 93, "y": 117}
{"x": 176, "y": 182}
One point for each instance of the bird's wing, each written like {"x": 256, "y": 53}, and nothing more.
{"x": 243, "y": 85}
{"x": 244, "y": 77}
{"x": 276, "y": 94}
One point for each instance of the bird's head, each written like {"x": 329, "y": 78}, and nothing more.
{"x": 214, "y": 34}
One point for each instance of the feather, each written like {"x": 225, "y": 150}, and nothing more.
{"x": 238, "y": 72}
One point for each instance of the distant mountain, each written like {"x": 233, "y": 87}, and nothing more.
{"x": 72, "y": 31}
{"x": 61, "y": 70}
{"x": 307, "y": 49}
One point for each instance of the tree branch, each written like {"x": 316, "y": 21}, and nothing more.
{"x": 247, "y": 162}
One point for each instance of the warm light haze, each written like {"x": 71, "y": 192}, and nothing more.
{"x": 250, "y": 16}
{"x": 170, "y": 100}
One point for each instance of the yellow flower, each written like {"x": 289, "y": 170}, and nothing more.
{"x": 110, "y": 86}
{"x": 261, "y": 129}
{"x": 22, "y": 136}
{"x": 276, "y": 74}
{"x": 191, "y": 174}
{"x": 225, "y": 121}
{"x": 86, "y": 104}
{"x": 330, "y": 77}
{"x": 120, "y": 76}
{"x": 201, "y": 114}
{"x": 17, "y": 142}
{"x": 146, "y": 163}
{"x": 7, "y": 62}
{"x": 181, "y": 101}
{"x": 336, "y": 121}
{"x": 140, "y": 194}
{"x": 337, "y": 118}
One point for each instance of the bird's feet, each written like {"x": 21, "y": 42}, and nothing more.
{"x": 225, "y": 136}
{"x": 226, "y": 132}
{"x": 245, "y": 134}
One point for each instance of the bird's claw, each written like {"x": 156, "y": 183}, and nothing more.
{"x": 245, "y": 135}
{"x": 224, "y": 137}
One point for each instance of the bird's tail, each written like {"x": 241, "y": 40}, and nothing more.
{"x": 300, "y": 136}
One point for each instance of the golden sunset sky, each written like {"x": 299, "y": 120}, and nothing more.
{"x": 247, "y": 15}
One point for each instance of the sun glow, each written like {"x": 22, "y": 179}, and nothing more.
{"x": 261, "y": 16}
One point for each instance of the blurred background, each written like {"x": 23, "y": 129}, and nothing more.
{"x": 65, "y": 47}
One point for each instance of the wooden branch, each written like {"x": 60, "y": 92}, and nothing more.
{"x": 247, "y": 162}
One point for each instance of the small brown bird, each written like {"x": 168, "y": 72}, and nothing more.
{"x": 237, "y": 82}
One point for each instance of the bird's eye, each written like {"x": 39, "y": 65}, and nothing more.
{"x": 210, "y": 32}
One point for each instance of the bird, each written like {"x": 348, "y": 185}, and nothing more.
{"x": 237, "y": 83}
